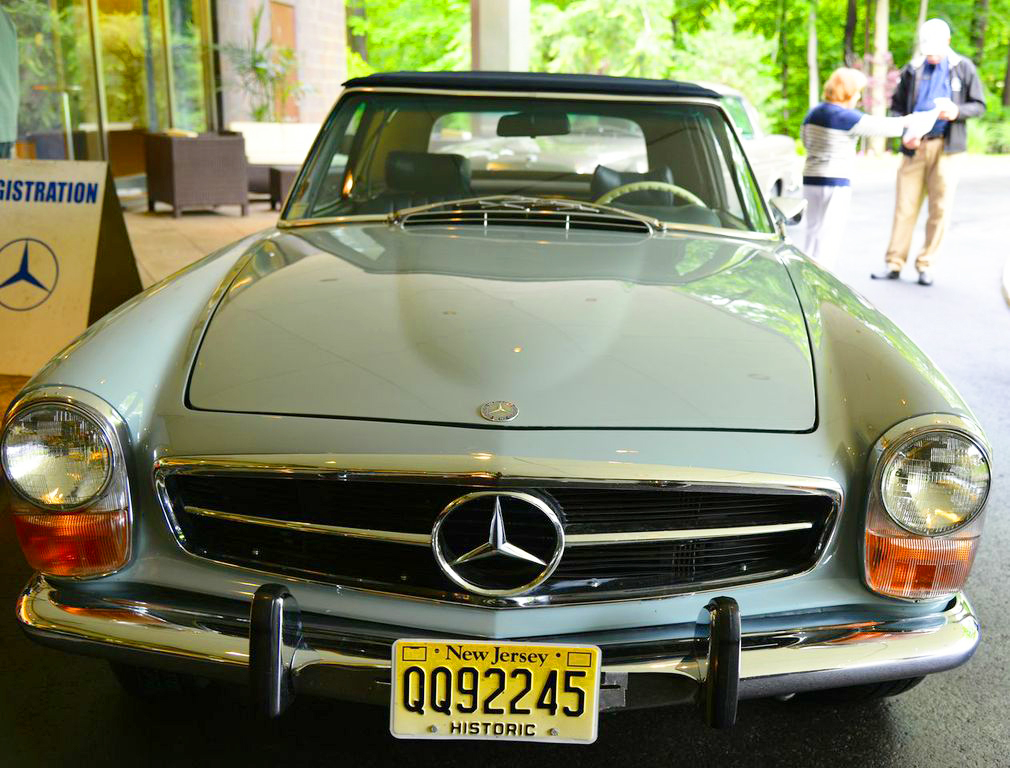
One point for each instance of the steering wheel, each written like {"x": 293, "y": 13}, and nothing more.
{"x": 658, "y": 186}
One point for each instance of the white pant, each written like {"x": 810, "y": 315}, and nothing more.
{"x": 825, "y": 217}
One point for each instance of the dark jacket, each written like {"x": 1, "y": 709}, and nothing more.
{"x": 966, "y": 92}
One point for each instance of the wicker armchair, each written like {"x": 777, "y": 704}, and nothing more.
{"x": 199, "y": 172}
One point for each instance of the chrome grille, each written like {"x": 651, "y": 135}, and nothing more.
{"x": 528, "y": 212}
{"x": 622, "y": 539}
{"x": 555, "y": 219}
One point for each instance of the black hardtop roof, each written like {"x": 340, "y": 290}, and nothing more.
{"x": 532, "y": 81}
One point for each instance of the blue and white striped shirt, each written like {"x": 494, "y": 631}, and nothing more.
{"x": 829, "y": 134}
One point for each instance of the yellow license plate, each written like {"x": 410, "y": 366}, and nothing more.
{"x": 443, "y": 689}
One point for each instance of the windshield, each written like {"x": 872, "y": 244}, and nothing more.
{"x": 383, "y": 152}
{"x": 734, "y": 105}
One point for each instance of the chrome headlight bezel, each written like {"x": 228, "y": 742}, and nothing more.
{"x": 100, "y": 425}
{"x": 890, "y": 449}
{"x": 893, "y": 554}
{"x": 113, "y": 502}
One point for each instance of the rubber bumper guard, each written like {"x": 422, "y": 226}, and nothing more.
{"x": 275, "y": 634}
{"x": 719, "y": 694}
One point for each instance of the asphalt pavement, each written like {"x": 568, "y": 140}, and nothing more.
{"x": 61, "y": 710}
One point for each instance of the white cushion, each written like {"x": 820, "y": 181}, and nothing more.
{"x": 276, "y": 143}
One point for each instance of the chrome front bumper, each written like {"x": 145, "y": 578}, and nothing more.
{"x": 350, "y": 660}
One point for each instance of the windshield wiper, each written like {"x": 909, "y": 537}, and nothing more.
{"x": 529, "y": 204}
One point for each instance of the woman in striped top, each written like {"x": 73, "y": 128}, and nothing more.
{"x": 830, "y": 132}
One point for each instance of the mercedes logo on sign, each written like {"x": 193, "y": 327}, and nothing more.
{"x": 498, "y": 543}
{"x": 28, "y": 274}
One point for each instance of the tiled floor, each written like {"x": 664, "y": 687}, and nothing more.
{"x": 164, "y": 245}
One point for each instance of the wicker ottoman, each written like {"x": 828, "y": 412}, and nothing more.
{"x": 199, "y": 172}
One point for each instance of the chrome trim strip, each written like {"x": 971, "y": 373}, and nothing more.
{"x": 484, "y": 471}
{"x": 808, "y": 656}
{"x": 642, "y": 537}
{"x": 397, "y": 537}
{"x": 364, "y": 218}
{"x": 571, "y": 540}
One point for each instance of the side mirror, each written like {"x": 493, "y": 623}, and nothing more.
{"x": 788, "y": 210}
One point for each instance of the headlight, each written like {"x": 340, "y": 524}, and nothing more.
{"x": 930, "y": 481}
{"x": 935, "y": 483}
{"x": 62, "y": 453}
{"x": 57, "y": 457}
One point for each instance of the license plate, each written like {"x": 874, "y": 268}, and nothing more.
{"x": 443, "y": 689}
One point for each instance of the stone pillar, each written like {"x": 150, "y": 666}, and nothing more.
{"x": 500, "y": 35}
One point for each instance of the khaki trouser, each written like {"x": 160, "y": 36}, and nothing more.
{"x": 933, "y": 173}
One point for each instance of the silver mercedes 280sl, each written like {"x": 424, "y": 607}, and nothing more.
{"x": 526, "y": 410}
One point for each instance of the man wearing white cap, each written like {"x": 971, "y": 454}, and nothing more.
{"x": 935, "y": 77}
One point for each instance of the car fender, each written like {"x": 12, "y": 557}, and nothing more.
{"x": 126, "y": 357}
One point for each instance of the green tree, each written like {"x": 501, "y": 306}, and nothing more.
{"x": 408, "y": 34}
{"x": 763, "y": 53}
{"x": 721, "y": 53}
{"x": 633, "y": 37}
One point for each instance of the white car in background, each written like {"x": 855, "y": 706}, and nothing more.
{"x": 773, "y": 156}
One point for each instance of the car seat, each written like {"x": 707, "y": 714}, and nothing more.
{"x": 606, "y": 179}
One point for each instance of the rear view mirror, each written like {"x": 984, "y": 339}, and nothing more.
{"x": 534, "y": 124}
{"x": 788, "y": 210}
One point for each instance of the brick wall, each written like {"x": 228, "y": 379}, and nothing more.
{"x": 322, "y": 60}
{"x": 320, "y": 31}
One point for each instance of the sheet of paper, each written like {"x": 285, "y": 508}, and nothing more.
{"x": 921, "y": 123}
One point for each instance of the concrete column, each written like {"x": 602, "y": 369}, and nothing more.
{"x": 500, "y": 35}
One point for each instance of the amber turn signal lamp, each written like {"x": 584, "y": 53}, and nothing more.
{"x": 918, "y": 567}
{"x": 74, "y": 544}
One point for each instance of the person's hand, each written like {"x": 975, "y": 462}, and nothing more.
{"x": 948, "y": 109}
{"x": 911, "y": 142}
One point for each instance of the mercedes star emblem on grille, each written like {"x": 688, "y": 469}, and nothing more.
{"x": 499, "y": 410}
{"x": 498, "y": 543}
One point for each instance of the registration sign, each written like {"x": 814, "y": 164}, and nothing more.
{"x": 448, "y": 689}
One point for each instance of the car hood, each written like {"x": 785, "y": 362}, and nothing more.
{"x": 578, "y": 329}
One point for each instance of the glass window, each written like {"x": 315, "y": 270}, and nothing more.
{"x": 58, "y": 109}
{"x": 750, "y": 193}
{"x": 615, "y": 141}
{"x": 735, "y": 106}
{"x": 149, "y": 76}
{"x": 386, "y": 151}
{"x": 187, "y": 41}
